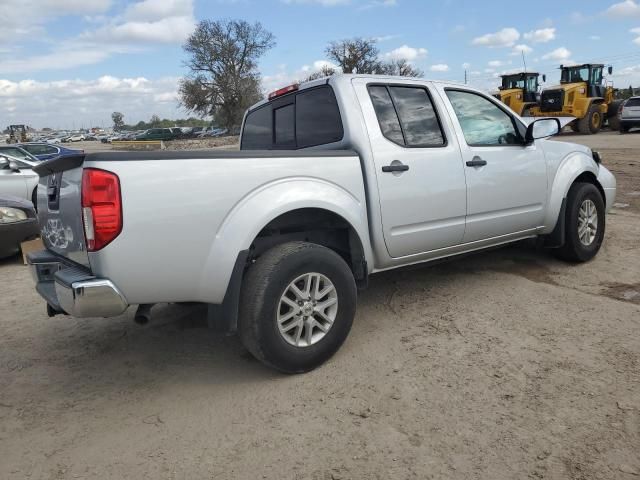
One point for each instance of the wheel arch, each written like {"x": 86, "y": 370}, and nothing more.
{"x": 577, "y": 167}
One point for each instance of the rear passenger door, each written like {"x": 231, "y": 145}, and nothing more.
{"x": 419, "y": 170}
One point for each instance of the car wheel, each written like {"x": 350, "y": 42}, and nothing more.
{"x": 297, "y": 304}
{"x": 623, "y": 129}
{"x": 584, "y": 223}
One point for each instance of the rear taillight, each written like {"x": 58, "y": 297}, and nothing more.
{"x": 101, "y": 207}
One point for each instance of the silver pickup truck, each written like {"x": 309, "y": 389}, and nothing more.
{"x": 335, "y": 180}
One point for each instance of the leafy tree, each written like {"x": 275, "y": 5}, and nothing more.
{"x": 223, "y": 59}
{"x": 118, "y": 120}
{"x": 154, "y": 121}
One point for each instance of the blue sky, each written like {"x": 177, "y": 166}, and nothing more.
{"x": 70, "y": 63}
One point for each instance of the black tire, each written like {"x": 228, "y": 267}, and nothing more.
{"x": 623, "y": 129}
{"x": 592, "y": 121}
{"x": 573, "y": 249}
{"x": 612, "y": 114}
{"x": 34, "y": 199}
{"x": 263, "y": 286}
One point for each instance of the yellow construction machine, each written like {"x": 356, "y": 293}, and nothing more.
{"x": 519, "y": 91}
{"x": 17, "y": 134}
{"x": 582, "y": 94}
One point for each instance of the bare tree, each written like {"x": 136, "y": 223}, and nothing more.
{"x": 325, "y": 71}
{"x": 361, "y": 55}
{"x": 223, "y": 79}
{"x": 400, "y": 67}
{"x": 357, "y": 55}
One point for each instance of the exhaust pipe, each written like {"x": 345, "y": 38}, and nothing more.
{"x": 143, "y": 314}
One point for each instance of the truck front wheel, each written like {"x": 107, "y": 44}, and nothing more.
{"x": 297, "y": 305}
{"x": 584, "y": 223}
{"x": 592, "y": 121}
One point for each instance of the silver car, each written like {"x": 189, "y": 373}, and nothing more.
{"x": 629, "y": 114}
{"x": 17, "y": 177}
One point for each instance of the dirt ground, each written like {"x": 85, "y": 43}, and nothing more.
{"x": 502, "y": 365}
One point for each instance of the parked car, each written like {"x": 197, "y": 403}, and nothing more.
{"x": 76, "y": 138}
{"x": 157, "y": 134}
{"x": 629, "y": 114}
{"x": 18, "y": 152}
{"x": 336, "y": 180}
{"x": 43, "y": 151}
{"x": 54, "y": 141}
{"x": 17, "y": 177}
{"x": 18, "y": 223}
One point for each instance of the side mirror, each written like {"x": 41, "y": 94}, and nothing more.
{"x": 542, "y": 128}
{"x": 4, "y": 163}
{"x": 544, "y": 78}
{"x": 13, "y": 166}
{"x": 610, "y": 69}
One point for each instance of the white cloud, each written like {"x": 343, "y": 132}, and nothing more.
{"x": 636, "y": 31}
{"x": 26, "y": 18}
{"x": 324, "y": 3}
{"x": 147, "y": 21}
{"x": 466, "y": 65}
{"x": 407, "y": 53}
{"x": 88, "y": 103}
{"x": 495, "y": 63}
{"x": 542, "y": 35}
{"x": 141, "y": 24}
{"x": 507, "y": 37}
{"x": 439, "y": 67}
{"x": 594, "y": 37}
{"x": 522, "y": 48}
{"x": 559, "y": 54}
{"x": 628, "y": 8}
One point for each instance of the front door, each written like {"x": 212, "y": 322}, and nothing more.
{"x": 418, "y": 167}
{"x": 13, "y": 183}
{"x": 506, "y": 181}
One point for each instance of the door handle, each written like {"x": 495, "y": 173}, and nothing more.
{"x": 395, "y": 167}
{"x": 476, "y": 162}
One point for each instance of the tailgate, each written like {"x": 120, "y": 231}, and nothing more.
{"x": 60, "y": 208}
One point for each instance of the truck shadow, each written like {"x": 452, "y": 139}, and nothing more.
{"x": 177, "y": 347}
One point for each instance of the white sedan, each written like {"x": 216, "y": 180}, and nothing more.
{"x": 17, "y": 178}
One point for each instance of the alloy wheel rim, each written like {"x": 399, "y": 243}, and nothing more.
{"x": 587, "y": 222}
{"x": 307, "y": 309}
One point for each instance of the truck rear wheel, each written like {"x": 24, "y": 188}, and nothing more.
{"x": 612, "y": 114}
{"x": 584, "y": 223}
{"x": 592, "y": 121}
{"x": 297, "y": 306}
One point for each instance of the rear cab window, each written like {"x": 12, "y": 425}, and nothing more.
{"x": 406, "y": 115}
{"x": 307, "y": 118}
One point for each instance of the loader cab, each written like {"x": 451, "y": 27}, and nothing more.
{"x": 591, "y": 74}
{"x": 527, "y": 82}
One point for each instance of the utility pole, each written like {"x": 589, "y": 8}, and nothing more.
{"x": 465, "y": 76}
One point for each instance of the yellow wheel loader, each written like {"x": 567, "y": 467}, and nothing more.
{"x": 17, "y": 134}
{"x": 583, "y": 94}
{"x": 519, "y": 91}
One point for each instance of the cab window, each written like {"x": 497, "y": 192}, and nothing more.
{"x": 483, "y": 123}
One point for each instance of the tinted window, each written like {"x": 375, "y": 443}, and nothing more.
{"x": 632, "y": 102}
{"x": 283, "y": 119}
{"x": 483, "y": 122}
{"x": 386, "y": 113}
{"x": 309, "y": 118}
{"x": 257, "y": 129}
{"x": 419, "y": 122}
{"x": 317, "y": 118}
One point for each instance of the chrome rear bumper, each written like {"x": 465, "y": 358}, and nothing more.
{"x": 74, "y": 290}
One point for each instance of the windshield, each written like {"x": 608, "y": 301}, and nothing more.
{"x": 530, "y": 84}
{"x": 575, "y": 74}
